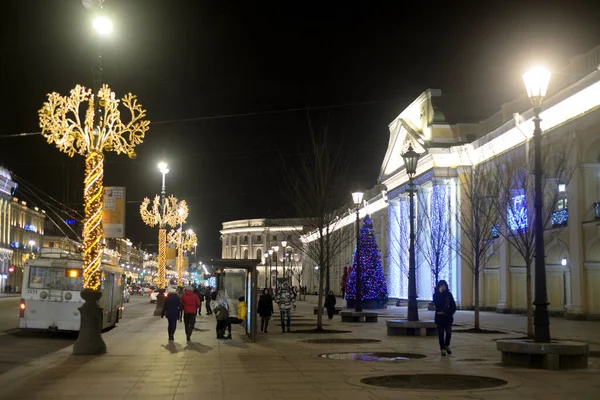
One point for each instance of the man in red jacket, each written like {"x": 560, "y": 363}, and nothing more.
{"x": 190, "y": 303}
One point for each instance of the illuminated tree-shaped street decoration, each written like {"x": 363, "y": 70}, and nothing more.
{"x": 173, "y": 213}
{"x": 185, "y": 241}
{"x": 89, "y": 125}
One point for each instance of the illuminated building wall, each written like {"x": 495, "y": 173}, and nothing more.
{"x": 450, "y": 147}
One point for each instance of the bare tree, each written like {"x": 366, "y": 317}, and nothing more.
{"x": 476, "y": 216}
{"x": 516, "y": 220}
{"x": 435, "y": 215}
{"x": 316, "y": 191}
{"x": 298, "y": 273}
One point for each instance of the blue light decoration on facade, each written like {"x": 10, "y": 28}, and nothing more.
{"x": 597, "y": 209}
{"x": 495, "y": 231}
{"x": 14, "y": 245}
{"x": 560, "y": 217}
{"x": 31, "y": 228}
{"x": 517, "y": 213}
{"x": 70, "y": 222}
{"x": 374, "y": 286}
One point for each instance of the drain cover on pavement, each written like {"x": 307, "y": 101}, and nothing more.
{"x": 342, "y": 341}
{"x": 444, "y": 382}
{"x": 372, "y": 356}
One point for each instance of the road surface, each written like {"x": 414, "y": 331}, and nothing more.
{"x": 19, "y": 347}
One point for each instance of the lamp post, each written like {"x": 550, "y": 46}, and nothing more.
{"x": 276, "y": 253}
{"x": 266, "y": 255}
{"x": 162, "y": 213}
{"x": 357, "y": 199}
{"x": 536, "y": 83}
{"x": 162, "y": 237}
{"x": 411, "y": 158}
{"x": 99, "y": 130}
{"x": 284, "y": 248}
{"x": 270, "y": 265}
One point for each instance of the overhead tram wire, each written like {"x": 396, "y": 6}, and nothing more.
{"x": 52, "y": 210}
{"x": 22, "y": 181}
{"x": 267, "y": 112}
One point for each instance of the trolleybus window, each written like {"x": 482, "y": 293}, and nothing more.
{"x": 53, "y": 278}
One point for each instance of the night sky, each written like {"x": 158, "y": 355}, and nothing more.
{"x": 227, "y": 85}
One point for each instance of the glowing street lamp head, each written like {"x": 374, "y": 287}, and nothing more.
{"x": 357, "y": 198}
{"x": 32, "y": 243}
{"x": 102, "y": 25}
{"x": 270, "y": 252}
{"x": 163, "y": 168}
{"x": 536, "y": 83}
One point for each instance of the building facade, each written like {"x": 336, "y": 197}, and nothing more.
{"x": 7, "y": 189}
{"x": 452, "y": 150}
{"x": 253, "y": 238}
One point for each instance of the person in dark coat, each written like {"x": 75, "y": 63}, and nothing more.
{"x": 445, "y": 307}
{"x": 330, "y": 304}
{"x": 208, "y": 298}
{"x": 265, "y": 309}
{"x": 171, "y": 309}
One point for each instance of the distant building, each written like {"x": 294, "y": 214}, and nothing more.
{"x": 252, "y": 239}
{"x": 7, "y": 189}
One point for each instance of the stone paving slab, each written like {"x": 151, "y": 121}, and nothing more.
{"x": 141, "y": 364}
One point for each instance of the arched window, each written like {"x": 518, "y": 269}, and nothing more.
{"x": 245, "y": 254}
{"x": 259, "y": 254}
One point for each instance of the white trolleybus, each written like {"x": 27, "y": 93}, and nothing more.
{"x": 51, "y": 291}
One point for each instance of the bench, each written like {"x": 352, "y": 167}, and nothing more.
{"x": 554, "y": 355}
{"x": 404, "y": 327}
{"x": 359, "y": 316}
{"x": 336, "y": 312}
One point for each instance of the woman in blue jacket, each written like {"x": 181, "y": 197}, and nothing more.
{"x": 171, "y": 309}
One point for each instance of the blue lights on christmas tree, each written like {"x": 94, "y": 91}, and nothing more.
{"x": 374, "y": 287}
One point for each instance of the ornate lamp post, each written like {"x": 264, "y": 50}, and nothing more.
{"x": 185, "y": 241}
{"x": 276, "y": 253}
{"x": 536, "y": 84}
{"x": 91, "y": 132}
{"x": 284, "y": 248}
{"x": 357, "y": 198}
{"x": 411, "y": 158}
{"x": 270, "y": 266}
{"x": 266, "y": 255}
{"x": 162, "y": 213}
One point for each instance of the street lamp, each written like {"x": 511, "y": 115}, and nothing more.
{"x": 536, "y": 83}
{"x": 266, "y": 255}
{"x": 284, "y": 248}
{"x": 102, "y": 25}
{"x": 276, "y": 252}
{"x": 270, "y": 266}
{"x": 357, "y": 198}
{"x": 411, "y": 158}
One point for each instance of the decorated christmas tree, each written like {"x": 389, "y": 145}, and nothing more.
{"x": 374, "y": 288}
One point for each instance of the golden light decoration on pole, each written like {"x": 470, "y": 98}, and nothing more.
{"x": 71, "y": 123}
{"x": 170, "y": 215}
{"x": 185, "y": 240}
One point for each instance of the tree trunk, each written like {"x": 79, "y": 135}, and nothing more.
{"x": 529, "y": 302}
{"x": 320, "y": 301}
{"x": 476, "y": 314}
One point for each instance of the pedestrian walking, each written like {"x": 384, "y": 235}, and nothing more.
{"x": 208, "y": 299}
{"x": 285, "y": 301}
{"x": 190, "y": 303}
{"x": 265, "y": 309}
{"x": 200, "y": 297}
{"x": 220, "y": 307}
{"x": 171, "y": 309}
{"x": 445, "y": 307}
{"x": 330, "y": 304}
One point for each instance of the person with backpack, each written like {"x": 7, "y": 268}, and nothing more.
{"x": 445, "y": 307}
{"x": 330, "y": 304}
{"x": 220, "y": 307}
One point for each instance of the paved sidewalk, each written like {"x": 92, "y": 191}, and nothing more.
{"x": 140, "y": 364}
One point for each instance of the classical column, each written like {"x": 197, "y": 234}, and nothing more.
{"x": 577, "y": 256}
{"x": 503, "y": 265}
